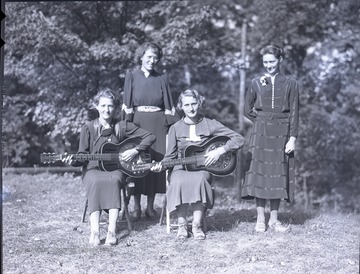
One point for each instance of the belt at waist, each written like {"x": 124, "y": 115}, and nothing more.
{"x": 148, "y": 109}
{"x": 272, "y": 115}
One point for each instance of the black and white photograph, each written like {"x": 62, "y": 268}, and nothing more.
{"x": 180, "y": 136}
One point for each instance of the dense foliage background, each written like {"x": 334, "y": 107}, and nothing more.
{"x": 58, "y": 54}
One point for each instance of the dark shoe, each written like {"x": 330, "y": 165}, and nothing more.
{"x": 198, "y": 232}
{"x": 136, "y": 215}
{"x": 182, "y": 232}
{"x": 151, "y": 214}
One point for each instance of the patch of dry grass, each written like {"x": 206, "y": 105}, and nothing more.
{"x": 42, "y": 233}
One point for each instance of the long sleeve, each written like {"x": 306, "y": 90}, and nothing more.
{"x": 172, "y": 148}
{"x": 236, "y": 140}
{"x": 84, "y": 145}
{"x": 127, "y": 106}
{"x": 168, "y": 100}
{"x": 250, "y": 99}
{"x": 131, "y": 130}
{"x": 294, "y": 109}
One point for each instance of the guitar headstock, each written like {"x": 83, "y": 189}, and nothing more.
{"x": 47, "y": 158}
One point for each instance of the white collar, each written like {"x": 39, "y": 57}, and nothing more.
{"x": 146, "y": 72}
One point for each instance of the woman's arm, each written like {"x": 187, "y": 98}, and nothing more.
{"x": 250, "y": 98}
{"x": 294, "y": 109}
{"x": 171, "y": 150}
{"x": 147, "y": 138}
{"x": 127, "y": 106}
{"x": 236, "y": 140}
{"x": 84, "y": 146}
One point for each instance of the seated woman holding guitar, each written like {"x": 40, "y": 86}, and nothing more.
{"x": 197, "y": 146}
{"x": 105, "y": 134}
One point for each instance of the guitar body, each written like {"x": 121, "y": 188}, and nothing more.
{"x": 224, "y": 166}
{"x": 115, "y": 163}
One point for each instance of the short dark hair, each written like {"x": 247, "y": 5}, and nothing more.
{"x": 272, "y": 49}
{"x": 144, "y": 47}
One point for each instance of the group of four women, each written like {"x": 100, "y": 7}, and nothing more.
{"x": 271, "y": 103}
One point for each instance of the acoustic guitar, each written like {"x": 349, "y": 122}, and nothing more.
{"x": 109, "y": 157}
{"x": 194, "y": 159}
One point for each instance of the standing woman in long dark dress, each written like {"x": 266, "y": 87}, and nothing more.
{"x": 148, "y": 103}
{"x": 272, "y": 103}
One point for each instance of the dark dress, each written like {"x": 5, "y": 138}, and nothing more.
{"x": 194, "y": 186}
{"x": 150, "y": 91}
{"x": 103, "y": 188}
{"x": 274, "y": 109}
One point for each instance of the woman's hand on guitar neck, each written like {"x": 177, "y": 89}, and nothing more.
{"x": 156, "y": 167}
{"x": 68, "y": 159}
{"x": 213, "y": 156}
{"x": 127, "y": 155}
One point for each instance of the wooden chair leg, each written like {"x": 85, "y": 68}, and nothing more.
{"x": 162, "y": 211}
{"x": 168, "y": 228}
{"x": 165, "y": 211}
{"x": 84, "y": 212}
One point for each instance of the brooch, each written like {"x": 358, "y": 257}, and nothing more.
{"x": 263, "y": 80}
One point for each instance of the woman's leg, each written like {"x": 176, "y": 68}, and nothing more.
{"x": 274, "y": 208}
{"x": 111, "y": 235}
{"x": 137, "y": 207}
{"x": 199, "y": 210}
{"x": 95, "y": 228}
{"x": 260, "y": 219}
{"x": 113, "y": 216}
{"x": 273, "y": 221}
{"x": 181, "y": 212}
{"x": 95, "y": 221}
{"x": 150, "y": 211}
{"x": 260, "y": 208}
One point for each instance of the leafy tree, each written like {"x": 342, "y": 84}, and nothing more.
{"x": 57, "y": 56}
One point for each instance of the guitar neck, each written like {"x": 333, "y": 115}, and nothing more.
{"x": 182, "y": 161}
{"x": 171, "y": 163}
{"x": 89, "y": 157}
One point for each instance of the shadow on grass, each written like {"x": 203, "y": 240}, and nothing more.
{"x": 226, "y": 220}
{"x": 140, "y": 225}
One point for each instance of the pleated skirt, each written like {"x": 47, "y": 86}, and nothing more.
{"x": 156, "y": 123}
{"x": 188, "y": 187}
{"x": 269, "y": 171}
{"x": 103, "y": 189}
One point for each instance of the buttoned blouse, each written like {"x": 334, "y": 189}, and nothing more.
{"x": 281, "y": 96}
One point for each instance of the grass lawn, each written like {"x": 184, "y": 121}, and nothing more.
{"x": 42, "y": 233}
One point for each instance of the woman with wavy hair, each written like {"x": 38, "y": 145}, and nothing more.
{"x": 148, "y": 103}
{"x": 194, "y": 187}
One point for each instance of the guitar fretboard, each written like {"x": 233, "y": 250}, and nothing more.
{"x": 94, "y": 157}
{"x": 80, "y": 157}
{"x": 182, "y": 161}
{"x": 171, "y": 163}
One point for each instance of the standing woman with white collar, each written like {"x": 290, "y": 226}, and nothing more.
{"x": 272, "y": 103}
{"x": 148, "y": 103}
